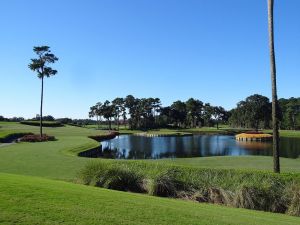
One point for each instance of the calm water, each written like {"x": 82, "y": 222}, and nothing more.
{"x": 136, "y": 147}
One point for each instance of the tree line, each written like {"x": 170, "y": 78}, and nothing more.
{"x": 148, "y": 113}
{"x": 255, "y": 112}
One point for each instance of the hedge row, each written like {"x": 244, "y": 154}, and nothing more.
{"x": 37, "y": 138}
{"x": 45, "y": 123}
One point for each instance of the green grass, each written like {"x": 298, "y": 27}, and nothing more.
{"x": 55, "y": 159}
{"x": 53, "y": 202}
{"x": 31, "y": 200}
{"x": 166, "y": 132}
{"x": 58, "y": 159}
{"x": 287, "y": 133}
{"x": 264, "y": 163}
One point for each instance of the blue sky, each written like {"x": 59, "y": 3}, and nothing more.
{"x": 216, "y": 51}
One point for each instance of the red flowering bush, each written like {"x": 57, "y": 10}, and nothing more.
{"x": 37, "y": 138}
{"x": 254, "y": 132}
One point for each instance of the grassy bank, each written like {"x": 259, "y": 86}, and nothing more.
{"x": 55, "y": 202}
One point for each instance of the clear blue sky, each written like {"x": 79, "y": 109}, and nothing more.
{"x": 216, "y": 51}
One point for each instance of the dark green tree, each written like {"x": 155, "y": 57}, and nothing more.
{"x": 40, "y": 65}
{"x": 108, "y": 112}
{"x": 253, "y": 112}
{"x": 219, "y": 113}
{"x": 194, "y": 109}
{"x": 119, "y": 106}
{"x": 207, "y": 114}
{"x": 179, "y": 113}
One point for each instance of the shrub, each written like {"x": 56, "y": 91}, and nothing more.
{"x": 243, "y": 189}
{"x": 92, "y": 172}
{"x": 294, "y": 196}
{"x": 37, "y": 138}
{"x": 165, "y": 184}
{"x": 114, "y": 177}
{"x": 261, "y": 198}
{"x": 45, "y": 123}
{"x": 124, "y": 179}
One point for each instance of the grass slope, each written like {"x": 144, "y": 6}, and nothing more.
{"x": 31, "y": 200}
{"x": 53, "y": 159}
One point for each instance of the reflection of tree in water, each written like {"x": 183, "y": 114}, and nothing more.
{"x": 136, "y": 147}
{"x": 290, "y": 147}
{"x": 140, "y": 147}
{"x": 111, "y": 153}
{"x": 180, "y": 151}
{"x": 256, "y": 147}
{"x": 205, "y": 145}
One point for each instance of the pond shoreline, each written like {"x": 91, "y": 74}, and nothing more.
{"x": 185, "y": 146}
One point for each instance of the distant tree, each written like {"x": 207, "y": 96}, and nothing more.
{"x": 108, "y": 112}
{"x": 253, "y": 112}
{"x": 259, "y": 110}
{"x": 179, "y": 113}
{"x": 275, "y": 119}
{"x": 2, "y": 118}
{"x": 194, "y": 109}
{"x": 131, "y": 103}
{"x": 48, "y": 118}
{"x": 165, "y": 117}
{"x": 92, "y": 112}
{"x": 40, "y": 65}
{"x": 292, "y": 111}
{"x": 156, "y": 106}
{"x": 219, "y": 113}
{"x": 208, "y": 111}
{"x": 119, "y": 107}
{"x": 96, "y": 111}
{"x": 65, "y": 120}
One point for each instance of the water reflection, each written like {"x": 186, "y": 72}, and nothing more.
{"x": 137, "y": 147}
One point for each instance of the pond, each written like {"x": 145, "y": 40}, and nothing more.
{"x": 137, "y": 147}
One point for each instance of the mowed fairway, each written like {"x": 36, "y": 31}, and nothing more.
{"x": 31, "y": 200}
{"x": 58, "y": 160}
{"x": 55, "y": 159}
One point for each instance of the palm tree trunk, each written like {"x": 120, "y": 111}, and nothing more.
{"x": 276, "y": 162}
{"x": 41, "y": 109}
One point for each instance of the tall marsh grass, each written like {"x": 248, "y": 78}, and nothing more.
{"x": 242, "y": 189}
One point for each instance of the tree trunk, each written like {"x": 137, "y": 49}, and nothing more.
{"x": 294, "y": 121}
{"x": 41, "y": 109}
{"x": 276, "y": 163}
{"x": 118, "y": 123}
